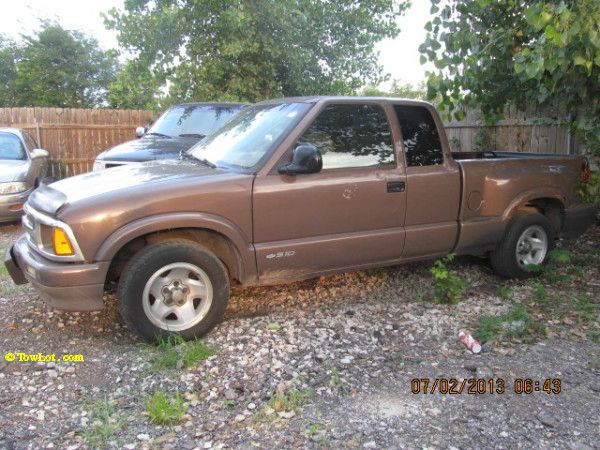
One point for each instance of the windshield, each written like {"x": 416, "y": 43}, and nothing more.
{"x": 11, "y": 147}
{"x": 249, "y": 136}
{"x": 192, "y": 120}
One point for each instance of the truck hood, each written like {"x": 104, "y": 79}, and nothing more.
{"x": 13, "y": 170}
{"x": 148, "y": 148}
{"x": 116, "y": 181}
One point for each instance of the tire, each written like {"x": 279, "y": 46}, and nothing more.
{"x": 173, "y": 286}
{"x": 523, "y": 228}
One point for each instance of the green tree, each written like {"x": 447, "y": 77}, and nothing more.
{"x": 540, "y": 53}
{"x": 9, "y": 53}
{"x": 136, "y": 86}
{"x": 61, "y": 68}
{"x": 398, "y": 90}
{"x": 251, "y": 50}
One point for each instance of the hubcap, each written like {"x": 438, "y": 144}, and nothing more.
{"x": 177, "y": 296}
{"x": 532, "y": 246}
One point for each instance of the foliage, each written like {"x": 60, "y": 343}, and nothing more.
{"x": 106, "y": 421}
{"x": 397, "y": 90}
{"x": 55, "y": 67}
{"x": 448, "y": 288}
{"x": 9, "y": 55}
{"x": 553, "y": 270}
{"x": 177, "y": 353}
{"x": 286, "y": 400}
{"x": 134, "y": 87}
{"x": 215, "y": 50}
{"x": 164, "y": 409}
{"x": 515, "y": 324}
{"x": 539, "y": 53}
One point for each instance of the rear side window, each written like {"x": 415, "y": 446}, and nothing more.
{"x": 351, "y": 136}
{"x": 421, "y": 140}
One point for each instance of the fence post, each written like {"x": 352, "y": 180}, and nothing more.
{"x": 38, "y": 134}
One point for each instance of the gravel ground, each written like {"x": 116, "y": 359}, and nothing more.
{"x": 325, "y": 363}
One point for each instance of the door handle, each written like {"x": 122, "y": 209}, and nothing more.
{"x": 396, "y": 186}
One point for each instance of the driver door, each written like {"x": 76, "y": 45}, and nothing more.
{"x": 350, "y": 214}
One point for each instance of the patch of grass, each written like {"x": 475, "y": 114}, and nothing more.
{"x": 585, "y": 308}
{"x": 313, "y": 429}
{"x": 593, "y": 336}
{"x": 553, "y": 271}
{"x": 540, "y": 293}
{"x": 515, "y": 324}
{"x": 335, "y": 381}
{"x": 289, "y": 399}
{"x": 175, "y": 352}
{"x": 105, "y": 421}
{"x": 283, "y": 400}
{"x": 448, "y": 288}
{"x": 273, "y": 326}
{"x": 163, "y": 409}
{"x": 505, "y": 292}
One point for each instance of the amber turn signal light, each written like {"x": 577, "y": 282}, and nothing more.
{"x": 60, "y": 242}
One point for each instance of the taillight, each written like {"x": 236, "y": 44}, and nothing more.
{"x": 586, "y": 174}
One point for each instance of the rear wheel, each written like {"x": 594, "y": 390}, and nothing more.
{"x": 527, "y": 242}
{"x": 173, "y": 286}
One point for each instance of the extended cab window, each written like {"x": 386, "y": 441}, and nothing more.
{"x": 421, "y": 141}
{"x": 351, "y": 136}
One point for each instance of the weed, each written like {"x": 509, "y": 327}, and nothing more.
{"x": 586, "y": 309}
{"x": 175, "y": 353}
{"x": 335, "y": 381}
{"x": 313, "y": 429}
{"x": 164, "y": 409}
{"x": 553, "y": 270}
{"x": 273, "y": 326}
{"x": 105, "y": 421}
{"x": 593, "y": 336}
{"x": 516, "y": 323}
{"x": 286, "y": 400}
{"x": 505, "y": 292}
{"x": 228, "y": 402}
{"x": 448, "y": 288}
{"x": 540, "y": 293}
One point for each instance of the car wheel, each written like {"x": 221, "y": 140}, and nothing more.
{"x": 527, "y": 242}
{"x": 176, "y": 286}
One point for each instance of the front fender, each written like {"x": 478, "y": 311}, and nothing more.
{"x": 171, "y": 221}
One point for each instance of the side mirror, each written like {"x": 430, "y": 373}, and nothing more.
{"x": 39, "y": 153}
{"x": 305, "y": 159}
{"x": 140, "y": 131}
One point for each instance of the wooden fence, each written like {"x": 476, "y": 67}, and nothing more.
{"x": 75, "y": 136}
{"x": 519, "y": 131}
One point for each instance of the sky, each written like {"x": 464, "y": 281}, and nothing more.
{"x": 399, "y": 56}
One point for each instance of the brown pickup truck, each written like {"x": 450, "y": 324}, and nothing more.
{"x": 289, "y": 189}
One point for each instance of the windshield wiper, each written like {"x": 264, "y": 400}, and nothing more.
{"x": 196, "y": 135}
{"x": 159, "y": 134}
{"x": 183, "y": 154}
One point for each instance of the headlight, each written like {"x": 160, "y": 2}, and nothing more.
{"x": 98, "y": 165}
{"x": 13, "y": 188}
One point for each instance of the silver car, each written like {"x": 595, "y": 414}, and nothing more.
{"x": 22, "y": 167}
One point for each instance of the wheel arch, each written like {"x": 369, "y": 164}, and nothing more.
{"x": 217, "y": 235}
{"x": 545, "y": 201}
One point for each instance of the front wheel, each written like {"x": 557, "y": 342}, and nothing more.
{"x": 173, "y": 286}
{"x": 527, "y": 242}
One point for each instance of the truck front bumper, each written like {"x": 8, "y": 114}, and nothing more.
{"x": 67, "y": 286}
{"x": 578, "y": 219}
